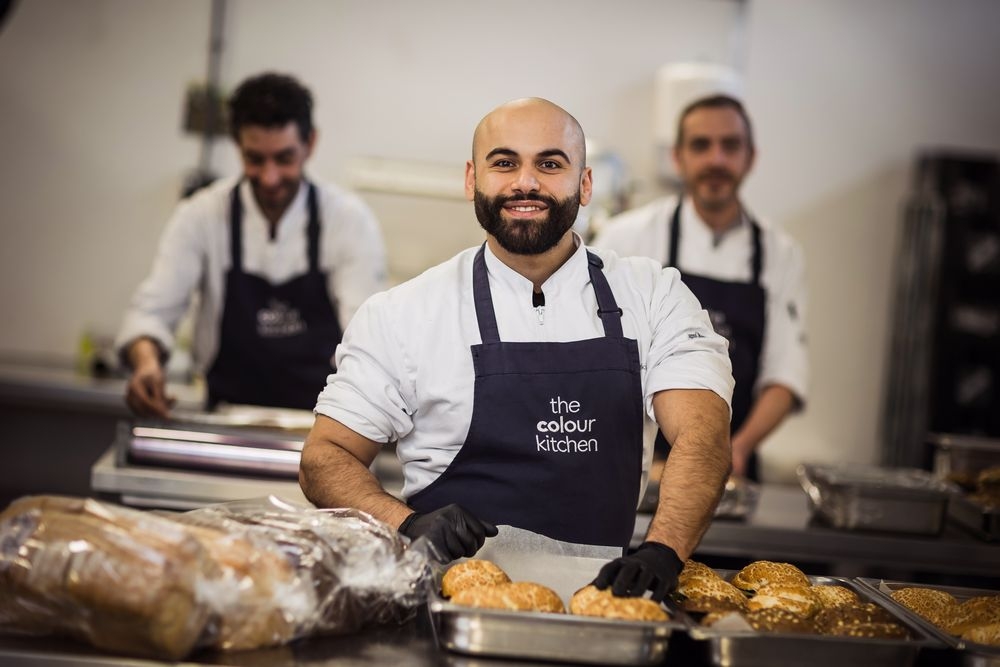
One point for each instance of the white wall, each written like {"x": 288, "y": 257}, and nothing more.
{"x": 842, "y": 91}
{"x": 844, "y": 94}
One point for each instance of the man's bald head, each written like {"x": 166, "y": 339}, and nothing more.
{"x": 535, "y": 111}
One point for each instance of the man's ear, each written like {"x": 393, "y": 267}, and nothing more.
{"x": 311, "y": 142}
{"x": 470, "y": 180}
{"x": 586, "y": 186}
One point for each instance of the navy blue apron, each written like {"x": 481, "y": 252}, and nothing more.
{"x": 555, "y": 442}
{"x": 277, "y": 342}
{"x": 738, "y": 312}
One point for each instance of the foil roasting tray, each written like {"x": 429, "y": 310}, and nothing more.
{"x": 551, "y": 637}
{"x": 749, "y": 648}
{"x": 855, "y": 497}
{"x": 971, "y": 654}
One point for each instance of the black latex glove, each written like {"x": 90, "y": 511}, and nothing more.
{"x": 453, "y": 530}
{"x": 653, "y": 566}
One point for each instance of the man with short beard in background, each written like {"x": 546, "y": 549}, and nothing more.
{"x": 514, "y": 378}
{"x": 747, "y": 274}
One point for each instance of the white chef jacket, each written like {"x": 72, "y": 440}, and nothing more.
{"x": 645, "y": 232}
{"x": 194, "y": 255}
{"x": 405, "y": 371}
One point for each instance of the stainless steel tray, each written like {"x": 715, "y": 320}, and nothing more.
{"x": 752, "y": 649}
{"x": 984, "y": 523}
{"x": 961, "y": 457}
{"x": 551, "y": 637}
{"x": 555, "y": 637}
{"x": 971, "y": 654}
{"x": 852, "y": 497}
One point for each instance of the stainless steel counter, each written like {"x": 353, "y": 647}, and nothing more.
{"x": 142, "y": 486}
{"x": 59, "y": 385}
{"x": 782, "y": 527}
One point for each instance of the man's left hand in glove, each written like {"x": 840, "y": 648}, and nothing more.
{"x": 653, "y": 566}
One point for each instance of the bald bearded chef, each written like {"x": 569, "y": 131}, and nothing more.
{"x": 514, "y": 377}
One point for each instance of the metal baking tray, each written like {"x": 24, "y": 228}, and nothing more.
{"x": 855, "y": 497}
{"x": 764, "y": 649}
{"x": 960, "y": 458}
{"x": 552, "y": 637}
{"x": 972, "y": 654}
{"x": 983, "y": 522}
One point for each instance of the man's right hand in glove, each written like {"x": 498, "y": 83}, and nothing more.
{"x": 452, "y": 530}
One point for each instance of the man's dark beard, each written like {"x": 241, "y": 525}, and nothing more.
{"x": 526, "y": 237}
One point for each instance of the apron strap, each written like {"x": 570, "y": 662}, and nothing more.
{"x": 607, "y": 307}
{"x": 756, "y": 261}
{"x": 758, "y": 253}
{"x": 488, "y": 330}
{"x": 236, "y": 228}
{"x": 312, "y": 229}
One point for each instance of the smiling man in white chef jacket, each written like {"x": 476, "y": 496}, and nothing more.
{"x": 514, "y": 377}
{"x": 280, "y": 264}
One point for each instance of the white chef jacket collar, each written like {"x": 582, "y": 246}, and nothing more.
{"x": 693, "y": 224}
{"x": 574, "y": 269}
{"x": 295, "y": 213}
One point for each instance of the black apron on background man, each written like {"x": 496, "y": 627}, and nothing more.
{"x": 555, "y": 441}
{"x": 738, "y": 311}
{"x": 277, "y": 341}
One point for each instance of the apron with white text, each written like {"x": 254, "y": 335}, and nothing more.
{"x": 555, "y": 442}
{"x": 277, "y": 341}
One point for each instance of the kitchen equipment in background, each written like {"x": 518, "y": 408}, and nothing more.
{"x": 205, "y": 106}
{"x": 970, "y": 463}
{"x": 856, "y": 497}
{"x": 944, "y": 358}
{"x": 204, "y": 458}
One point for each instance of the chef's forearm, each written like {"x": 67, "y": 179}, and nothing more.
{"x": 696, "y": 422}
{"x": 771, "y": 407}
{"x": 334, "y": 472}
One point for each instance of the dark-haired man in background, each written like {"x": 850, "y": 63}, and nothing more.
{"x": 748, "y": 275}
{"x": 280, "y": 264}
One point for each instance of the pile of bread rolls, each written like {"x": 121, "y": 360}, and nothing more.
{"x": 481, "y": 583}
{"x": 976, "y": 619}
{"x": 778, "y": 597}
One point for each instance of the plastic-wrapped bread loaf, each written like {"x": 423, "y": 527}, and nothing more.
{"x": 350, "y": 569}
{"x": 258, "y": 597}
{"x": 120, "y": 579}
{"x": 231, "y": 577}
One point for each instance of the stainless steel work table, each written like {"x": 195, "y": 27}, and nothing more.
{"x": 782, "y": 528}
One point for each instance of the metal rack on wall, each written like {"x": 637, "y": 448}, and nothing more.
{"x": 944, "y": 361}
